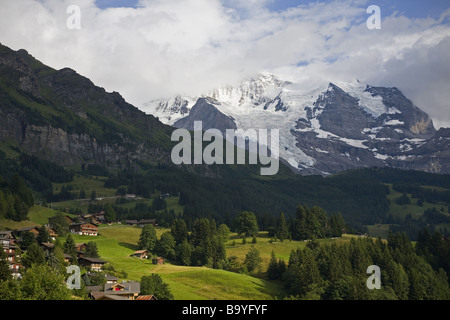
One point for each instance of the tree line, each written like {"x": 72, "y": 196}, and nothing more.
{"x": 339, "y": 271}
{"x": 204, "y": 245}
{"x": 16, "y": 198}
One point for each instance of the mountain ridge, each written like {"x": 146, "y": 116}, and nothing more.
{"x": 346, "y": 125}
{"x": 62, "y": 116}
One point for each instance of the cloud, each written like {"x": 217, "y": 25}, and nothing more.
{"x": 162, "y": 48}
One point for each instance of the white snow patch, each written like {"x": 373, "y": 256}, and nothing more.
{"x": 394, "y": 122}
{"x": 381, "y": 156}
{"x": 355, "y": 143}
{"x": 371, "y": 104}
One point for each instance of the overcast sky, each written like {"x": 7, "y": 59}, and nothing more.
{"x": 150, "y": 49}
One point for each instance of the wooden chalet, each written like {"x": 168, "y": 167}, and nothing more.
{"x": 131, "y": 222}
{"x": 67, "y": 258}
{"x": 7, "y": 238}
{"x": 69, "y": 220}
{"x": 158, "y": 260}
{"x": 141, "y": 254}
{"x": 144, "y": 222}
{"x": 47, "y": 246}
{"x": 10, "y": 247}
{"x": 84, "y": 228}
{"x": 34, "y": 230}
{"x": 121, "y": 291}
{"x": 95, "y": 264}
{"x": 111, "y": 279}
{"x": 52, "y": 233}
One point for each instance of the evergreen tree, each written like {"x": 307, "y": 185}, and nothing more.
{"x": 3, "y": 204}
{"x": 281, "y": 267}
{"x": 154, "y": 285}
{"x": 246, "y": 223}
{"x": 43, "y": 235}
{"x": 34, "y": 255}
{"x": 252, "y": 259}
{"x": 201, "y": 231}
{"x": 179, "y": 231}
{"x": 224, "y": 232}
{"x": 91, "y": 250}
{"x": 184, "y": 252}
{"x": 21, "y": 209}
{"x": 309, "y": 275}
{"x": 208, "y": 253}
{"x": 299, "y": 228}
{"x": 398, "y": 280}
{"x": 40, "y": 283}
{"x": 282, "y": 231}
{"x": 82, "y": 194}
{"x": 272, "y": 270}
{"x": 220, "y": 253}
{"x": 165, "y": 247}
{"x": 110, "y": 214}
{"x": 70, "y": 249}
{"x": 58, "y": 252}
{"x": 19, "y": 188}
{"x": 147, "y": 239}
{"x": 10, "y": 208}
{"x": 336, "y": 225}
{"x": 27, "y": 239}
{"x": 93, "y": 195}
{"x": 59, "y": 224}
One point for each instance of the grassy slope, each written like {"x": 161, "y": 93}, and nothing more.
{"x": 401, "y": 211}
{"x": 116, "y": 244}
{"x": 91, "y": 183}
{"x": 37, "y": 216}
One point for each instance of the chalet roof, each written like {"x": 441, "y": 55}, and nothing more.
{"x": 28, "y": 229}
{"x": 94, "y": 289}
{"x": 81, "y": 223}
{"x": 48, "y": 245}
{"x": 93, "y": 260}
{"x": 147, "y": 221}
{"x": 96, "y": 295}
{"x": 127, "y": 287}
{"x": 110, "y": 278}
{"x": 131, "y": 221}
{"x": 140, "y": 251}
{"x": 6, "y": 234}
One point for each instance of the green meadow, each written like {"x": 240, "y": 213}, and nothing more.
{"x": 116, "y": 243}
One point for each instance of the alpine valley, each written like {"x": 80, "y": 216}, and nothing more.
{"x": 348, "y": 141}
{"x": 83, "y": 166}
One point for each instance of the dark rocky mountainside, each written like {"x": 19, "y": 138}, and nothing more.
{"x": 205, "y": 111}
{"x": 63, "y": 117}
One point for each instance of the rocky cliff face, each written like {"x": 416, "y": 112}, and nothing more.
{"x": 61, "y": 116}
{"x": 205, "y": 110}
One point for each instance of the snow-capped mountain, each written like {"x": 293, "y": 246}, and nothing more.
{"x": 340, "y": 126}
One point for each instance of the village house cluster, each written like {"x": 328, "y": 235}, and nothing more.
{"x": 11, "y": 240}
{"x": 85, "y": 225}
